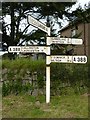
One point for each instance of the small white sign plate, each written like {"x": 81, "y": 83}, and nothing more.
{"x": 79, "y": 59}
{"x": 14, "y": 49}
{"x": 69, "y": 59}
{"x": 38, "y": 24}
{"x": 29, "y": 49}
{"x": 58, "y": 40}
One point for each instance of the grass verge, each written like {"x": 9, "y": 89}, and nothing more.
{"x": 25, "y": 106}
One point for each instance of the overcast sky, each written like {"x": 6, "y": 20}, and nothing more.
{"x": 81, "y": 3}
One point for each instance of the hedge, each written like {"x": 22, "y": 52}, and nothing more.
{"x": 65, "y": 78}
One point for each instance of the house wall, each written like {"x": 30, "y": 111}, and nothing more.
{"x": 88, "y": 47}
{"x": 66, "y": 32}
{"x": 80, "y": 49}
{"x": 85, "y": 30}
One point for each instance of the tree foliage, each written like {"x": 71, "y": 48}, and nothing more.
{"x": 81, "y": 14}
{"x": 18, "y": 12}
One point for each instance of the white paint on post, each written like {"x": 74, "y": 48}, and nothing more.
{"x": 47, "y": 84}
{"x": 47, "y": 51}
{"x": 48, "y": 32}
{"x": 48, "y": 60}
{"x": 49, "y": 40}
{"x": 48, "y": 71}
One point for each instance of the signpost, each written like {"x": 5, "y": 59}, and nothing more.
{"x": 46, "y": 49}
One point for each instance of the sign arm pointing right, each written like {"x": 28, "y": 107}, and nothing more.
{"x": 34, "y": 22}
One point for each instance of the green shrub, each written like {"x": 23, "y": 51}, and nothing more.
{"x": 64, "y": 77}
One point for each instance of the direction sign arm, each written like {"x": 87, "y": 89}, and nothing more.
{"x": 58, "y": 40}
{"x": 34, "y": 22}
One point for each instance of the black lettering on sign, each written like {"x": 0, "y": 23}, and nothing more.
{"x": 74, "y": 59}
{"x": 84, "y": 59}
{"x": 16, "y": 49}
{"x": 78, "y": 59}
{"x": 10, "y": 49}
{"x": 81, "y": 59}
{"x": 13, "y": 49}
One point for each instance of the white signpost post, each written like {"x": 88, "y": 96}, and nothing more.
{"x": 46, "y": 49}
